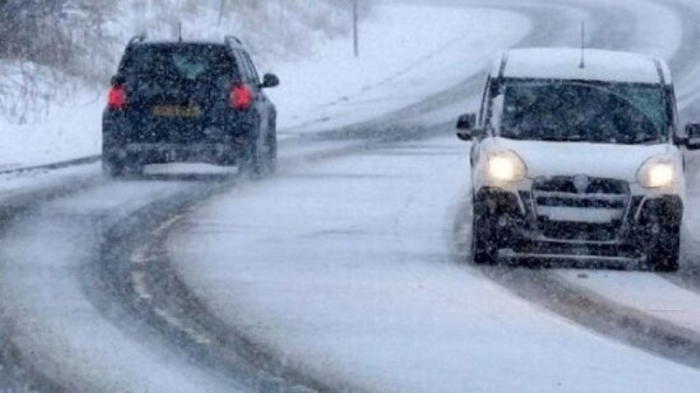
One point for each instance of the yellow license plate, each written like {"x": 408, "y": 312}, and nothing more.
{"x": 176, "y": 111}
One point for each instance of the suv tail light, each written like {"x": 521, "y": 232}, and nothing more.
{"x": 116, "y": 99}
{"x": 241, "y": 97}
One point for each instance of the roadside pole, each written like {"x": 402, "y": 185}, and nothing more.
{"x": 222, "y": 9}
{"x": 355, "y": 27}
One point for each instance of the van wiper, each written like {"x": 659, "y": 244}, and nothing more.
{"x": 648, "y": 139}
{"x": 575, "y": 138}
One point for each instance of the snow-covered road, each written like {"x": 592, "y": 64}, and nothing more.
{"x": 351, "y": 274}
{"x": 346, "y": 272}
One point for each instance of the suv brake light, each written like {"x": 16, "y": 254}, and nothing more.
{"x": 241, "y": 97}
{"x": 116, "y": 99}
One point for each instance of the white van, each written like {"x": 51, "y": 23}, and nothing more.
{"x": 577, "y": 155}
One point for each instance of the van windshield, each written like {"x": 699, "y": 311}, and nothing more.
{"x": 573, "y": 111}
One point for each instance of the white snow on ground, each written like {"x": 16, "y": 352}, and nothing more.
{"x": 649, "y": 293}
{"x": 41, "y": 130}
{"x": 344, "y": 267}
{"x": 659, "y": 31}
{"x": 407, "y": 53}
{"x": 57, "y": 327}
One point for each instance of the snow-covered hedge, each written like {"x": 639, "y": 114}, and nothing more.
{"x": 78, "y": 42}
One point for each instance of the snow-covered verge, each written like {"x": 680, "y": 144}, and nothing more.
{"x": 44, "y": 120}
{"x": 56, "y": 306}
{"x": 440, "y": 46}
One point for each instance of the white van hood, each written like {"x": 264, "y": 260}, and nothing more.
{"x": 545, "y": 159}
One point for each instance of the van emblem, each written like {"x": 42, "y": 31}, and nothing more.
{"x": 581, "y": 183}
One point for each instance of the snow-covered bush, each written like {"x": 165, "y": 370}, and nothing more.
{"x": 47, "y": 48}
{"x": 62, "y": 34}
{"x": 76, "y": 43}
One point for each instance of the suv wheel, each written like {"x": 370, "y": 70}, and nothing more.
{"x": 271, "y": 150}
{"x": 112, "y": 168}
{"x": 252, "y": 164}
{"x": 664, "y": 255}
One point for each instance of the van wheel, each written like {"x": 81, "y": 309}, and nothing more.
{"x": 484, "y": 249}
{"x": 665, "y": 254}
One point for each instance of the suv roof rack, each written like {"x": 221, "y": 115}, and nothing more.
{"x": 232, "y": 40}
{"x": 137, "y": 39}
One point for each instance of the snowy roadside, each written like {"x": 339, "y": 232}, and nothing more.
{"x": 56, "y": 303}
{"x": 321, "y": 92}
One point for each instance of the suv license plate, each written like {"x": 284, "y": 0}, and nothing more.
{"x": 176, "y": 111}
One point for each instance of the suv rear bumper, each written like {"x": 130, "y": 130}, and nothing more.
{"x": 122, "y": 143}
{"x": 154, "y": 153}
{"x": 520, "y": 233}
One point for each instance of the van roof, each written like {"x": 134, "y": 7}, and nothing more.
{"x": 564, "y": 63}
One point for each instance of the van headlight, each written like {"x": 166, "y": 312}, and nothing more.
{"x": 506, "y": 166}
{"x": 657, "y": 172}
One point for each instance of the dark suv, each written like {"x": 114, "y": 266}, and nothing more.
{"x": 188, "y": 102}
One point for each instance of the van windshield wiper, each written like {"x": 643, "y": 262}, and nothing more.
{"x": 649, "y": 139}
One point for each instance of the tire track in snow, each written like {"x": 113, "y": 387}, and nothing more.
{"x": 17, "y": 374}
{"x": 134, "y": 275}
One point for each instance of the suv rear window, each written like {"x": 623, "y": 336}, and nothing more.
{"x": 178, "y": 62}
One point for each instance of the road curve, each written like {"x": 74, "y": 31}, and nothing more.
{"x": 142, "y": 297}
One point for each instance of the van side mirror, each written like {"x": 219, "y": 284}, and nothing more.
{"x": 465, "y": 126}
{"x": 270, "y": 80}
{"x": 692, "y": 132}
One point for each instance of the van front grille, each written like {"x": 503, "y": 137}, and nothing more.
{"x": 580, "y": 208}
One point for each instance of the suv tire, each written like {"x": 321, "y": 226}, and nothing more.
{"x": 112, "y": 168}
{"x": 271, "y": 150}
{"x": 252, "y": 164}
